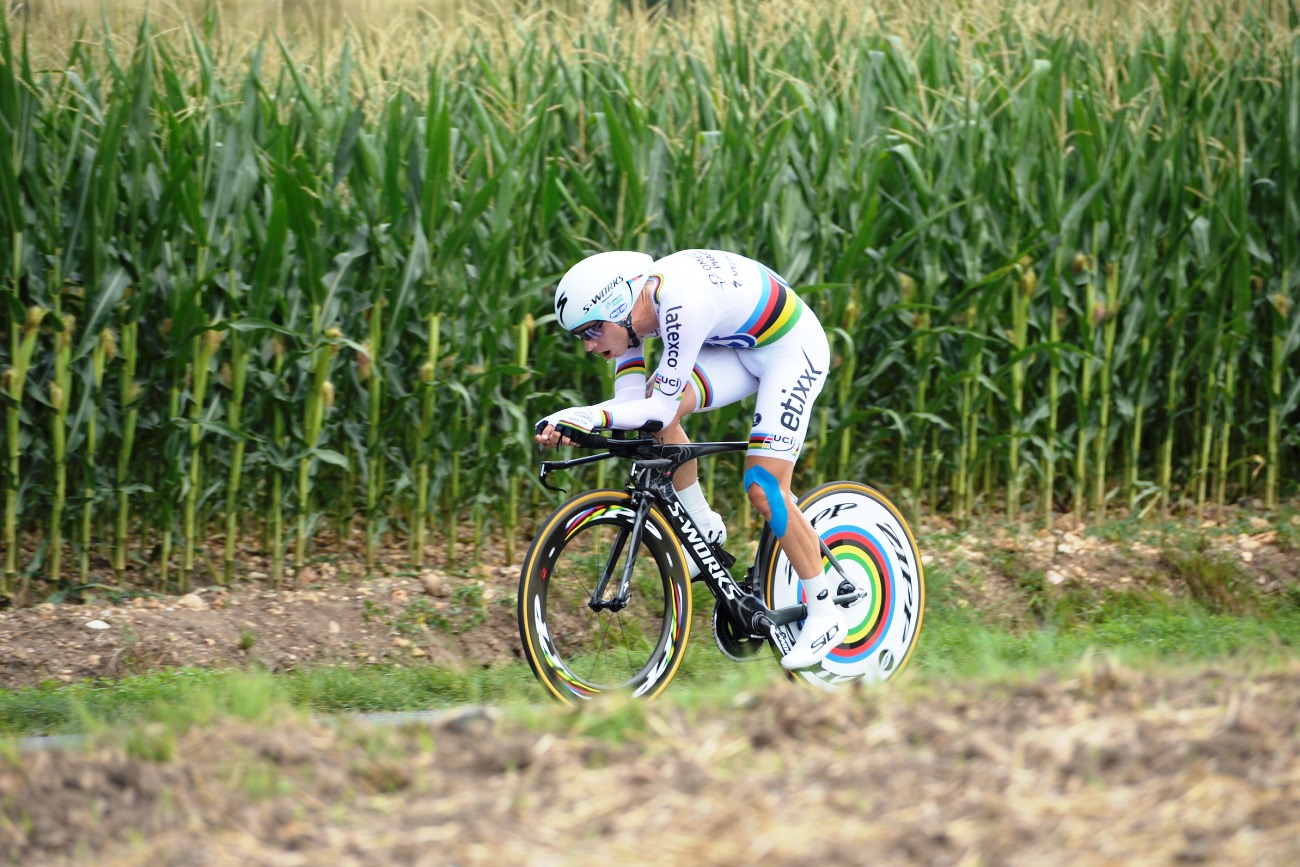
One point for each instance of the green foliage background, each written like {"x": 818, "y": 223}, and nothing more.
{"x": 267, "y": 289}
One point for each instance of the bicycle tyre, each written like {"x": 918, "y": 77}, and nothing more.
{"x": 875, "y": 546}
{"x": 578, "y": 653}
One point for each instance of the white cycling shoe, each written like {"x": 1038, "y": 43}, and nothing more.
{"x": 715, "y": 534}
{"x": 822, "y": 631}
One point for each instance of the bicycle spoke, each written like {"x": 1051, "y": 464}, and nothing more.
{"x": 608, "y": 647}
{"x": 582, "y": 645}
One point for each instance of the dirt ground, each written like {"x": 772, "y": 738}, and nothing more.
{"x": 333, "y": 614}
{"x": 1108, "y": 767}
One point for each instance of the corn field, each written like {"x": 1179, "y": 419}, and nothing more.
{"x": 253, "y": 291}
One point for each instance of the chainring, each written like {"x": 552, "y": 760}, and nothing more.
{"x": 735, "y": 644}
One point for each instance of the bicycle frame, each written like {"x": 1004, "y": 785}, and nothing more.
{"x": 650, "y": 483}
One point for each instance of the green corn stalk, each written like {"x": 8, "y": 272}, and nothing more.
{"x": 239, "y": 355}
{"x": 166, "y": 530}
{"x": 988, "y": 484}
{"x": 920, "y": 357}
{"x": 1135, "y": 434}
{"x": 205, "y": 349}
{"x": 1174, "y": 392}
{"x": 60, "y": 395}
{"x": 1091, "y": 317}
{"x": 453, "y": 500}
{"x": 1022, "y": 292}
{"x": 374, "y": 382}
{"x": 276, "y": 523}
{"x": 1280, "y": 306}
{"x": 129, "y": 393}
{"x": 14, "y": 380}
{"x": 1238, "y": 277}
{"x": 428, "y": 374}
{"x": 1211, "y": 390}
{"x": 522, "y": 350}
{"x": 968, "y": 415}
{"x": 1055, "y": 317}
{"x": 844, "y": 394}
{"x": 1101, "y": 443}
{"x": 319, "y": 398}
{"x": 477, "y": 509}
{"x": 1207, "y": 405}
{"x": 105, "y": 349}
{"x": 343, "y": 516}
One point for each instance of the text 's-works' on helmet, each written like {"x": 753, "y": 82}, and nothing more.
{"x": 599, "y": 289}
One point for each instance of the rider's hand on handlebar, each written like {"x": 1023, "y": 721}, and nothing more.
{"x": 549, "y": 436}
{"x": 579, "y": 418}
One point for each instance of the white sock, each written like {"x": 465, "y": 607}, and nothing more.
{"x": 822, "y": 631}
{"x": 692, "y": 498}
{"x": 709, "y": 521}
{"x": 814, "y": 587}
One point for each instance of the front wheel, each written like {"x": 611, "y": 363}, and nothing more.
{"x": 877, "y": 551}
{"x": 579, "y": 634}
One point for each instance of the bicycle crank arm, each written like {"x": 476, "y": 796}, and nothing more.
{"x": 835, "y": 564}
{"x": 795, "y": 613}
{"x": 783, "y": 616}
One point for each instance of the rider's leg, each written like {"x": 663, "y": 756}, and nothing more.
{"x": 797, "y": 537}
{"x": 767, "y": 481}
{"x": 688, "y": 473}
{"x": 686, "y": 480}
{"x": 719, "y": 378}
{"x": 791, "y": 372}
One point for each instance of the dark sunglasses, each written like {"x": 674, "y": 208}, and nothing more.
{"x": 591, "y": 332}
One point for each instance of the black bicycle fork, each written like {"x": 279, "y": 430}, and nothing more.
{"x": 600, "y": 598}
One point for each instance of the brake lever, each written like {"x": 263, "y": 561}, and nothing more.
{"x": 549, "y": 467}
{"x": 546, "y": 468}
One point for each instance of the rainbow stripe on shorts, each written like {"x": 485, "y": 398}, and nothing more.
{"x": 777, "y": 312}
{"x": 703, "y": 388}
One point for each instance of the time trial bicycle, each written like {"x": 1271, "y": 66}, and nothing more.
{"x": 605, "y": 601}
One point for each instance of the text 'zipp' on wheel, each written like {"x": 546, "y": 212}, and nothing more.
{"x": 586, "y": 625}
{"x": 874, "y": 546}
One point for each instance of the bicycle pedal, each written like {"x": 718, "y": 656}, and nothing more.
{"x": 845, "y": 588}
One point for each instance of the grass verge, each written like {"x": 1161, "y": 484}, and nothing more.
{"x": 1213, "y": 618}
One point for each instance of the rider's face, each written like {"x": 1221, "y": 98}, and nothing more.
{"x": 610, "y": 343}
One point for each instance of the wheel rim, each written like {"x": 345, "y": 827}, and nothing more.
{"x": 581, "y": 652}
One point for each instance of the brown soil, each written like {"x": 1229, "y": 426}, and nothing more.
{"x": 1108, "y": 767}
{"x": 446, "y": 617}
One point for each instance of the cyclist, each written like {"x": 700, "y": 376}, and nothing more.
{"x": 730, "y": 327}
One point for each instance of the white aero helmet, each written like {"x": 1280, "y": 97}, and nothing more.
{"x": 599, "y": 289}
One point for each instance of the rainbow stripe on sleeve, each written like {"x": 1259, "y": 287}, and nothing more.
{"x": 605, "y": 420}
{"x": 777, "y": 312}
{"x": 703, "y": 388}
{"x": 630, "y": 366}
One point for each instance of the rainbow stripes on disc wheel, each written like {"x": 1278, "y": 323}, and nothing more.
{"x": 875, "y": 548}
